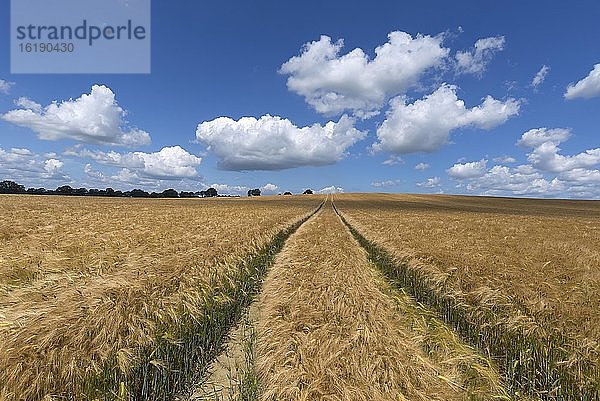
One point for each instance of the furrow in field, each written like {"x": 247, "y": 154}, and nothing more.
{"x": 330, "y": 328}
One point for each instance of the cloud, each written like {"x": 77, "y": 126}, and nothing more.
{"x": 468, "y": 170}
{"x": 549, "y": 173}
{"x": 23, "y": 164}
{"x": 433, "y": 182}
{"x": 384, "y": 184}
{"x": 545, "y": 154}
{"x": 540, "y": 76}
{"x": 92, "y": 118}
{"x": 520, "y": 180}
{"x": 504, "y": 159}
{"x": 96, "y": 176}
{"x": 170, "y": 163}
{"x": 53, "y": 166}
{"x": 475, "y": 61}
{"x": 226, "y": 189}
{"x": 21, "y": 152}
{"x": 422, "y": 166}
{"x": 271, "y": 188}
{"x": 332, "y": 83}
{"x": 5, "y": 86}
{"x": 29, "y": 104}
{"x": 274, "y": 143}
{"x": 331, "y": 190}
{"x": 587, "y": 87}
{"x": 581, "y": 176}
{"x": 425, "y": 125}
{"x": 537, "y": 136}
{"x": 393, "y": 160}
{"x": 126, "y": 176}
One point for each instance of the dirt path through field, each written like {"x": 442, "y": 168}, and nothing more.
{"x": 326, "y": 330}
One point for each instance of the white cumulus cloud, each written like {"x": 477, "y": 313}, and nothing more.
{"x": 275, "y": 143}
{"x": 270, "y": 188}
{"x": 425, "y": 125}
{"x": 332, "y": 83}
{"x": 587, "y": 87}
{"x": 537, "y": 136}
{"x": 169, "y": 163}
{"x": 468, "y": 170}
{"x": 475, "y": 61}
{"x": 520, "y": 180}
{"x": 52, "y": 166}
{"x": 545, "y": 154}
{"x": 23, "y": 164}
{"x": 432, "y": 182}
{"x": 92, "y": 118}
{"x": 548, "y": 174}
{"x": 331, "y": 190}
{"x": 421, "y": 166}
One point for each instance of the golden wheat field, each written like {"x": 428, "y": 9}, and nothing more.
{"x": 92, "y": 288}
{"x": 329, "y": 328}
{"x": 352, "y": 297}
{"x": 520, "y": 278}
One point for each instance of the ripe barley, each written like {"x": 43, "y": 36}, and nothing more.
{"x": 518, "y": 278}
{"x": 328, "y": 331}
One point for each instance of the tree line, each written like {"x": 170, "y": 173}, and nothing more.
{"x": 11, "y": 187}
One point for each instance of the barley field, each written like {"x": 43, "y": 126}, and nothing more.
{"x": 519, "y": 278}
{"x": 351, "y": 297}
{"x": 329, "y": 328}
{"x": 93, "y": 290}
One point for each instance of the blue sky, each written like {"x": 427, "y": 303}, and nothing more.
{"x": 266, "y": 94}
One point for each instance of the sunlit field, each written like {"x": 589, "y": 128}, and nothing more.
{"x": 365, "y": 297}
{"x": 92, "y": 288}
{"x": 519, "y": 278}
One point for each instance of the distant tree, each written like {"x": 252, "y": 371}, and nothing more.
{"x": 138, "y": 193}
{"x": 36, "y": 191}
{"x": 109, "y": 192}
{"x": 308, "y": 192}
{"x": 64, "y": 190}
{"x": 11, "y": 187}
{"x": 170, "y": 193}
{"x": 184, "y": 194}
{"x": 287, "y": 193}
{"x": 155, "y": 195}
{"x": 211, "y": 192}
{"x": 80, "y": 191}
{"x": 254, "y": 192}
